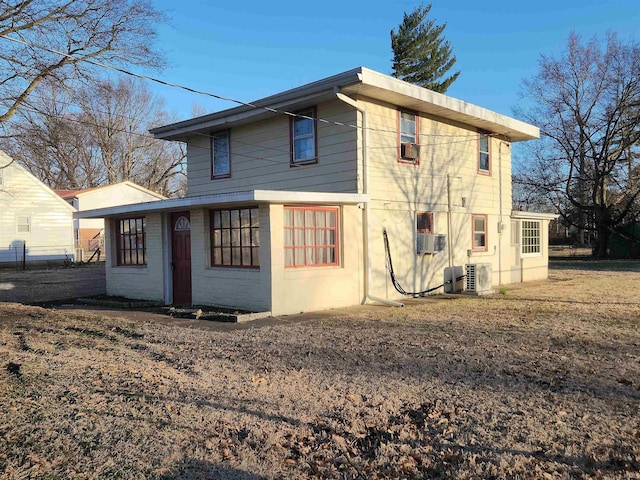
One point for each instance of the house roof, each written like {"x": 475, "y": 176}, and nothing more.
{"x": 360, "y": 81}
{"x": 8, "y": 162}
{"x": 67, "y": 194}
{"x": 227, "y": 199}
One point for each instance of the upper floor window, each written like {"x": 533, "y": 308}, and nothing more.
{"x": 304, "y": 137}
{"x": 310, "y": 236}
{"x": 484, "y": 154}
{"x": 530, "y": 237}
{"x": 235, "y": 238}
{"x": 1, "y": 177}
{"x": 424, "y": 222}
{"x": 131, "y": 241}
{"x": 479, "y": 226}
{"x": 408, "y": 136}
{"x": 220, "y": 155}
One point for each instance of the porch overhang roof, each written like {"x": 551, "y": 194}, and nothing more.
{"x": 520, "y": 215}
{"x": 227, "y": 199}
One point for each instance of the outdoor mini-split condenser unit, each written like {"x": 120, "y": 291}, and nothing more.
{"x": 478, "y": 278}
{"x": 430, "y": 243}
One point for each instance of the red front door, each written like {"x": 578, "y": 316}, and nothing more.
{"x": 181, "y": 257}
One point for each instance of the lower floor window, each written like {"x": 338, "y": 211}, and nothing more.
{"x": 310, "y": 236}
{"x": 530, "y": 237}
{"x": 479, "y": 226}
{"x": 131, "y": 241}
{"x": 235, "y": 238}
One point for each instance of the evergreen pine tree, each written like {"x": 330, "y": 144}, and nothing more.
{"x": 421, "y": 55}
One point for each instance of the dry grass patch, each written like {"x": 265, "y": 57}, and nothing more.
{"x": 540, "y": 382}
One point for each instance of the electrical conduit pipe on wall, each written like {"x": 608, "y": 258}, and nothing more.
{"x": 365, "y": 190}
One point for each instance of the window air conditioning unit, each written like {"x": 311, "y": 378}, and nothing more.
{"x": 410, "y": 151}
{"x": 478, "y": 279}
{"x": 430, "y": 243}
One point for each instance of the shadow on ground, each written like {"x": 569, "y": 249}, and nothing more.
{"x": 193, "y": 469}
{"x": 591, "y": 264}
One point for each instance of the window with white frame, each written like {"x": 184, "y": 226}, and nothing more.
{"x": 303, "y": 132}
{"x": 310, "y": 236}
{"x": 1, "y": 177}
{"x": 484, "y": 155}
{"x": 408, "y": 131}
{"x": 530, "y": 237}
{"x": 408, "y": 137}
{"x": 515, "y": 234}
{"x": 479, "y": 226}
{"x": 220, "y": 155}
{"x": 23, "y": 224}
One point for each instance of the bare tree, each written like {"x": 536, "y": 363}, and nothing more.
{"x": 97, "y": 136}
{"x": 44, "y": 39}
{"x": 587, "y": 104}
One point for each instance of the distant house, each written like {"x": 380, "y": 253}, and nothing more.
{"x": 33, "y": 219}
{"x": 300, "y": 211}
{"x": 88, "y": 233}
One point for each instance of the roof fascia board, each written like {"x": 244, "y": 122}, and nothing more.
{"x": 257, "y": 196}
{"x": 473, "y": 113}
{"x": 258, "y": 108}
{"x": 520, "y": 215}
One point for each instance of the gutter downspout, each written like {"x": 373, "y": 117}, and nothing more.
{"x": 365, "y": 190}
{"x": 449, "y": 232}
{"x": 502, "y": 226}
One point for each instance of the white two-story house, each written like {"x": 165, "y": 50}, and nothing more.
{"x": 297, "y": 201}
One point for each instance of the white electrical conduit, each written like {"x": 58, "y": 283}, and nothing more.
{"x": 365, "y": 190}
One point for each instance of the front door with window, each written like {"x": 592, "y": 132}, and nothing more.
{"x": 181, "y": 257}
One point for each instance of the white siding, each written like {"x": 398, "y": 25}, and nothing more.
{"x": 260, "y": 157}
{"x": 51, "y": 218}
{"x": 448, "y": 159}
{"x": 110, "y": 196}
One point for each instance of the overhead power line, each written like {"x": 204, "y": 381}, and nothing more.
{"x": 202, "y": 92}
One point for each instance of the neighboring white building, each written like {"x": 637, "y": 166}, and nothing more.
{"x": 88, "y": 232}
{"x": 289, "y": 213}
{"x": 33, "y": 219}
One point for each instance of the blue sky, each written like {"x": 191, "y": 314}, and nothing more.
{"x": 251, "y": 49}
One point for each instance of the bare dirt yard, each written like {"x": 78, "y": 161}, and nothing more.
{"x": 45, "y": 285}
{"x": 542, "y": 381}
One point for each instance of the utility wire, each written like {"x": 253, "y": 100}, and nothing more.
{"x": 193, "y": 90}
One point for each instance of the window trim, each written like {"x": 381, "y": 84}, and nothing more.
{"x": 2, "y": 176}
{"x": 482, "y": 171}
{"x": 307, "y": 112}
{"x": 474, "y": 231}
{"x": 293, "y": 247}
{"x": 28, "y": 224}
{"x": 399, "y": 136}
{"x": 119, "y": 250}
{"x": 523, "y": 239}
{"x": 213, "y": 246}
{"x": 214, "y": 135}
{"x": 424, "y": 230}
